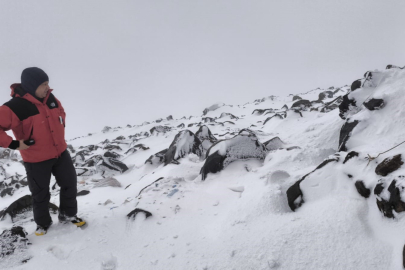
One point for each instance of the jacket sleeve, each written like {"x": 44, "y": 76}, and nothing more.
{"x": 7, "y": 121}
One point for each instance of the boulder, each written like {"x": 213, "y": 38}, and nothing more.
{"x": 330, "y": 106}
{"x": 295, "y": 197}
{"x": 181, "y": 125}
{"x": 345, "y": 133}
{"x": 137, "y": 147}
{"x": 274, "y": 144}
{"x": 213, "y": 108}
{"x": 262, "y": 111}
{"x": 112, "y": 154}
{"x": 243, "y": 146}
{"x": 389, "y": 165}
{"x": 21, "y": 206}
{"x": 183, "y": 144}
{"x": 356, "y": 85}
{"x": 120, "y": 138}
{"x": 112, "y": 147}
{"x": 346, "y": 106}
{"x": 132, "y": 215}
{"x": 157, "y": 158}
{"x": 390, "y": 67}
{"x": 228, "y": 115}
{"x": 83, "y": 193}
{"x": 169, "y": 118}
{"x": 81, "y": 171}
{"x": 350, "y": 155}
{"x": 205, "y": 136}
{"x": 160, "y": 129}
{"x": 296, "y": 98}
{"x": 302, "y": 104}
{"x": 325, "y": 94}
{"x": 106, "y": 164}
{"x": 208, "y": 120}
{"x": 362, "y": 190}
{"x": 12, "y": 240}
{"x": 374, "y": 104}
{"x": 389, "y": 196}
{"x": 277, "y": 115}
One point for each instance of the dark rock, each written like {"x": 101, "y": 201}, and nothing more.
{"x": 120, "y": 138}
{"x": 112, "y": 155}
{"x": 389, "y": 165}
{"x": 212, "y": 108}
{"x": 106, "y": 129}
{"x": 393, "y": 66}
{"x": 169, "y": 118}
{"x": 391, "y": 203}
{"x": 208, "y": 120}
{"x": 330, "y": 106}
{"x": 296, "y": 98}
{"x": 325, "y": 94}
{"x": 160, "y": 129}
{"x": 355, "y": 85}
{"x": 112, "y": 147}
{"x": 274, "y": 144}
{"x": 298, "y": 112}
{"x": 157, "y": 158}
{"x": 302, "y": 104}
{"x": 181, "y": 125}
{"x": 7, "y": 191}
{"x": 22, "y": 205}
{"x": 243, "y": 146}
{"x": 106, "y": 164}
{"x": 84, "y": 171}
{"x": 132, "y": 215}
{"x": 83, "y": 192}
{"x": 228, "y": 115}
{"x": 346, "y": 105}
{"x": 190, "y": 125}
{"x": 12, "y": 240}
{"x": 350, "y": 155}
{"x": 361, "y": 188}
{"x": 183, "y": 144}
{"x": 260, "y": 111}
{"x": 159, "y": 120}
{"x": 345, "y": 133}
{"x": 285, "y": 107}
{"x": 271, "y": 117}
{"x": 292, "y": 148}
{"x": 295, "y": 196}
{"x": 374, "y": 104}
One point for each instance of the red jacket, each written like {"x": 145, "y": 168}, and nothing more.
{"x": 30, "y": 118}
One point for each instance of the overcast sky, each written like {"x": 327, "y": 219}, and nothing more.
{"x": 125, "y": 62}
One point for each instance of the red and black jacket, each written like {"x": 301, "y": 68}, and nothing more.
{"x": 29, "y": 118}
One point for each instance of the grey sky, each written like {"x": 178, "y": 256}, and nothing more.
{"x": 124, "y": 62}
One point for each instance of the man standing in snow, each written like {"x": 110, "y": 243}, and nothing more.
{"x": 37, "y": 120}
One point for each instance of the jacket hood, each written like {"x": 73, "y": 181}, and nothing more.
{"x": 18, "y": 91}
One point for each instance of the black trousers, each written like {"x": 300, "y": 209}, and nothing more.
{"x": 39, "y": 178}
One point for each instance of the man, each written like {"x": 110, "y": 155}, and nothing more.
{"x": 37, "y": 118}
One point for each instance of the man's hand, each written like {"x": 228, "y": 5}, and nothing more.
{"x": 23, "y": 146}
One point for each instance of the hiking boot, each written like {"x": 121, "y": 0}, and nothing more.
{"x": 75, "y": 220}
{"x": 42, "y": 230}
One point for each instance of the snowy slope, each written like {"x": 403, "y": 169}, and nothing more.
{"x": 238, "y": 218}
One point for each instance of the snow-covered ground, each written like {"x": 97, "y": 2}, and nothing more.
{"x": 238, "y": 218}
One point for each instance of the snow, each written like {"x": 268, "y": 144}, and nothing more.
{"x": 239, "y": 217}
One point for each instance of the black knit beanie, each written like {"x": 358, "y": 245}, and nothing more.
{"x": 31, "y": 78}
